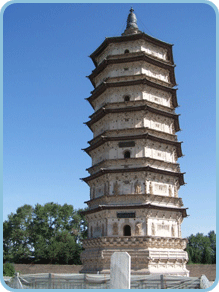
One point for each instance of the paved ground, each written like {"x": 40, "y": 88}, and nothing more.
{"x": 195, "y": 270}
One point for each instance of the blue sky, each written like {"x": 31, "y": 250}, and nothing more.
{"x": 46, "y": 49}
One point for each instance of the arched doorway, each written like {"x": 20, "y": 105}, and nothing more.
{"x": 126, "y": 230}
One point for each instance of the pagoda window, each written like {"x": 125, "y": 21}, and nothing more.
{"x": 127, "y": 154}
{"x": 127, "y": 230}
{"x": 127, "y": 98}
{"x": 126, "y": 51}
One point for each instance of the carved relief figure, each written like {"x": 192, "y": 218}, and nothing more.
{"x": 116, "y": 188}
{"x": 152, "y": 229}
{"x": 103, "y": 231}
{"x": 115, "y": 228}
{"x": 91, "y": 232}
{"x": 138, "y": 228}
{"x": 137, "y": 187}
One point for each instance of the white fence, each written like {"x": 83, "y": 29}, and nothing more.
{"x": 99, "y": 281}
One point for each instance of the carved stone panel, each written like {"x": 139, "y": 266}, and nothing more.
{"x": 138, "y": 228}
{"x": 137, "y": 187}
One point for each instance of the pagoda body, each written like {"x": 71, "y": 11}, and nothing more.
{"x": 135, "y": 176}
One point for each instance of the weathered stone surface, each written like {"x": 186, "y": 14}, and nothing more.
{"x": 120, "y": 270}
{"x": 135, "y": 175}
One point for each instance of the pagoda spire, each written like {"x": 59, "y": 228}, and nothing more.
{"x": 131, "y": 27}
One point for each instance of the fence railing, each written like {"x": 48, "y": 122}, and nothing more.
{"x": 101, "y": 281}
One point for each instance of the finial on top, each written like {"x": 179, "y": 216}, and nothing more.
{"x": 131, "y": 27}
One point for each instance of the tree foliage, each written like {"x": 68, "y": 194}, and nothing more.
{"x": 202, "y": 248}
{"x": 53, "y": 234}
{"x": 8, "y": 270}
{"x": 44, "y": 234}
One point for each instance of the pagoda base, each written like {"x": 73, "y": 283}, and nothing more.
{"x": 145, "y": 260}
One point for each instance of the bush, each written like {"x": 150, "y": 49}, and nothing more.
{"x": 8, "y": 270}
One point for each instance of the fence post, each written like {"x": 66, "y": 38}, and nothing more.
{"x": 161, "y": 281}
{"x": 50, "y": 282}
{"x": 18, "y": 282}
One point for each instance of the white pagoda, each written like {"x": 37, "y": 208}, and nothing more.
{"x": 135, "y": 176}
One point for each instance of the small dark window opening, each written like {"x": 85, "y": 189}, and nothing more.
{"x": 127, "y": 98}
{"x": 127, "y": 154}
{"x": 126, "y": 51}
{"x": 127, "y": 230}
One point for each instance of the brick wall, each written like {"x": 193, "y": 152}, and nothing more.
{"x": 55, "y": 269}
{"x": 195, "y": 270}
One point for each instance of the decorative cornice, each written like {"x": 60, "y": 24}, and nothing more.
{"x": 136, "y": 241}
{"x": 140, "y": 206}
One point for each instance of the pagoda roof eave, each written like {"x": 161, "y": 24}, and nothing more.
{"x": 104, "y": 85}
{"x": 104, "y": 139}
{"x": 109, "y": 40}
{"x": 142, "y": 194}
{"x": 102, "y": 112}
{"x": 130, "y": 108}
{"x": 108, "y": 62}
{"x": 146, "y": 129}
{"x": 129, "y": 160}
{"x": 136, "y": 169}
{"x": 140, "y": 57}
{"x": 141, "y": 206}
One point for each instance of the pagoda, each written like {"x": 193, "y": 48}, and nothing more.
{"x": 135, "y": 175}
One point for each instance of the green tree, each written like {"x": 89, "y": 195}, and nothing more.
{"x": 201, "y": 248}
{"x": 8, "y": 270}
{"x": 212, "y": 238}
{"x": 48, "y": 234}
{"x": 64, "y": 249}
{"x": 207, "y": 255}
{"x": 16, "y": 233}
